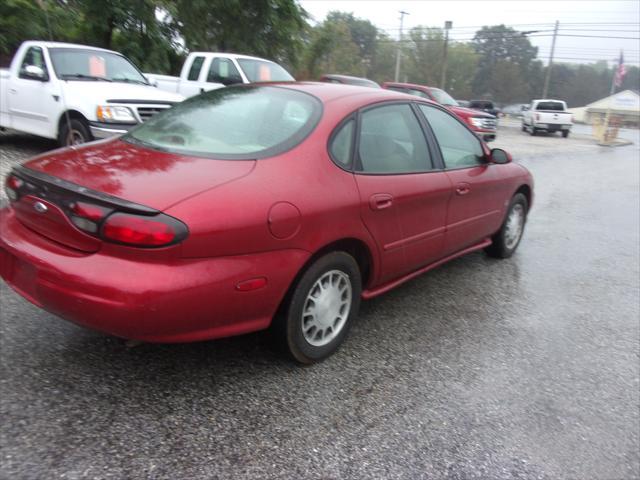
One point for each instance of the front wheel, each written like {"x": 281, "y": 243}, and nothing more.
{"x": 507, "y": 239}
{"x": 74, "y": 132}
{"x": 321, "y": 307}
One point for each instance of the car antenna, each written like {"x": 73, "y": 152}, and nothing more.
{"x": 64, "y": 103}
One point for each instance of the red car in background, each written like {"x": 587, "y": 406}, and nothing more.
{"x": 255, "y": 206}
{"x": 483, "y": 124}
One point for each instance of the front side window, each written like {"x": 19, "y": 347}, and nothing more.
{"x": 196, "y": 66}
{"x": 86, "y": 65}
{"x": 33, "y": 58}
{"x": 263, "y": 71}
{"x": 392, "y": 141}
{"x": 240, "y": 122}
{"x": 222, "y": 70}
{"x": 460, "y": 148}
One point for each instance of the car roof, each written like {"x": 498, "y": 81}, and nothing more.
{"x": 405, "y": 85}
{"x": 329, "y": 92}
{"x": 67, "y": 45}
{"x": 229, "y": 55}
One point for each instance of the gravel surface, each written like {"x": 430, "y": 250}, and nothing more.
{"x": 525, "y": 368}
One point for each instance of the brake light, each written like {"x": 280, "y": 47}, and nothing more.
{"x": 12, "y": 186}
{"x": 87, "y": 216}
{"x": 141, "y": 231}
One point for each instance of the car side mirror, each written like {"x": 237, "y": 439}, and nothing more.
{"x": 499, "y": 156}
{"x": 36, "y": 73}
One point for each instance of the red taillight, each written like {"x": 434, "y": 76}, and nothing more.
{"x": 87, "y": 216}
{"x": 13, "y": 184}
{"x": 141, "y": 231}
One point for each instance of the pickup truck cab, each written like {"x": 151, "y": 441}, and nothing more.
{"x": 482, "y": 124}
{"x": 548, "y": 116}
{"x": 204, "y": 71}
{"x": 75, "y": 93}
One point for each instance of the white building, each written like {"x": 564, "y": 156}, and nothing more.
{"x": 624, "y": 105}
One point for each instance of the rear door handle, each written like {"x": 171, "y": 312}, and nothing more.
{"x": 463, "y": 188}
{"x": 380, "y": 201}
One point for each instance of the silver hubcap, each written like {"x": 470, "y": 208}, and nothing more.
{"x": 75, "y": 137}
{"x": 514, "y": 226}
{"x": 326, "y": 308}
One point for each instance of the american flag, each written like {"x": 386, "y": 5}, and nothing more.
{"x": 620, "y": 71}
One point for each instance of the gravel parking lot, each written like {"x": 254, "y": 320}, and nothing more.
{"x": 523, "y": 368}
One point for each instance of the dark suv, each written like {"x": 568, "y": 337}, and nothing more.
{"x": 484, "y": 106}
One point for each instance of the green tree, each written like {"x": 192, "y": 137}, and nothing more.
{"x": 423, "y": 52}
{"x": 496, "y": 44}
{"x": 269, "y": 28}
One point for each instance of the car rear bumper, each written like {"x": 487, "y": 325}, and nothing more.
{"x": 181, "y": 300}
{"x": 105, "y": 130}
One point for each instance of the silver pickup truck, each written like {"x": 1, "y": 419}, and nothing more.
{"x": 547, "y": 116}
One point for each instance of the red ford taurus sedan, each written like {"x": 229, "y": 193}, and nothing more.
{"x": 257, "y": 206}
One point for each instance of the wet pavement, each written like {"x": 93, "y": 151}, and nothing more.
{"x": 521, "y": 368}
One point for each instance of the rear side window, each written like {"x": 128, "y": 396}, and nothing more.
{"x": 460, "y": 148}
{"x": 419, "y": 93}
{"x": 553, "y": 106}
{"x": 263, "y": 71}
{"x": 340, "y": 147}
{"x": 392, "y": 141}
{"x": 222, "y": 70}
{"x": 238, "y": 122}
{"x": 397, "y": 89}
{"x": 196, "y": 66}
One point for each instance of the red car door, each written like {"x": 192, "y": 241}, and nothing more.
{"x": 403, "y": 198}
{"x": 475, "y": 209}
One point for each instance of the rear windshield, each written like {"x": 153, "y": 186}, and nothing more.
{"x": 481, "y": 104}
{"x": 240, "y": 122}
{"x": 554, "y": 106}
{"x": 261, "y": 71}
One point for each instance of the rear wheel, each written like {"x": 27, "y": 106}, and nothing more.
{"x": 533, "y": 131}
{"x": 507, "y": 239}
{"x": 565, "y": 133}
{"x": 74, "y": 132}
{"x": 524, "y": 127}
{"x": 320, "y": 308}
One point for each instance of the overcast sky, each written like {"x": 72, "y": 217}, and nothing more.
{"x": 597, "y": 18}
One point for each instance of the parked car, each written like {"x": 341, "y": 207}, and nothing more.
{"x": 75, "y": 93}
{"x": 255, "y": 206}
{"x": 514, "y": 109}
{"x": 204, "y": 71}
{"x": 548, "y": 116}
{"x": 483, "y": 124}
{"x": 486, "y": 106}
{"x": 348, "y": 80}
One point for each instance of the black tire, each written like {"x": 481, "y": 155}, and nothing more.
{"x": 565, "y": 133}
{"x": 534, "y": 132}
{"x": 524, "y": 127}
{"x": 74, "y": 132}
{"x": 288, "y": 325}
{"x": 500, "y": 246}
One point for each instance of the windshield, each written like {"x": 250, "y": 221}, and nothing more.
{"x": 242, "y": 122}
{"x": 442, "y": 97}
{"x": 262, "y": 71}
{"x": 93, "y": 65}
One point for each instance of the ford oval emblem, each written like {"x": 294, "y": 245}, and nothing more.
{"x": 40, "y": 207}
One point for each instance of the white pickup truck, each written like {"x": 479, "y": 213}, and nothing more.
{"x": 75, "y": 93}
{"x": 547, "y": 115}
{"x": 204, "y": 71}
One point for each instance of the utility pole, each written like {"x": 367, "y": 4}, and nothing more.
{"x": 443, "y": 79}
{"x": 399, "y": 52}
{"x": 553, "y": 48}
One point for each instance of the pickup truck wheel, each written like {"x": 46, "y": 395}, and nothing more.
{"x": 319, "y": 310}
{"x": 565, "y": 133}
{"x": 534, "y": 132}
{"x": 74, "y": 132}
{"x": 524, "y": 128}
{"x": 507, "y": 239}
